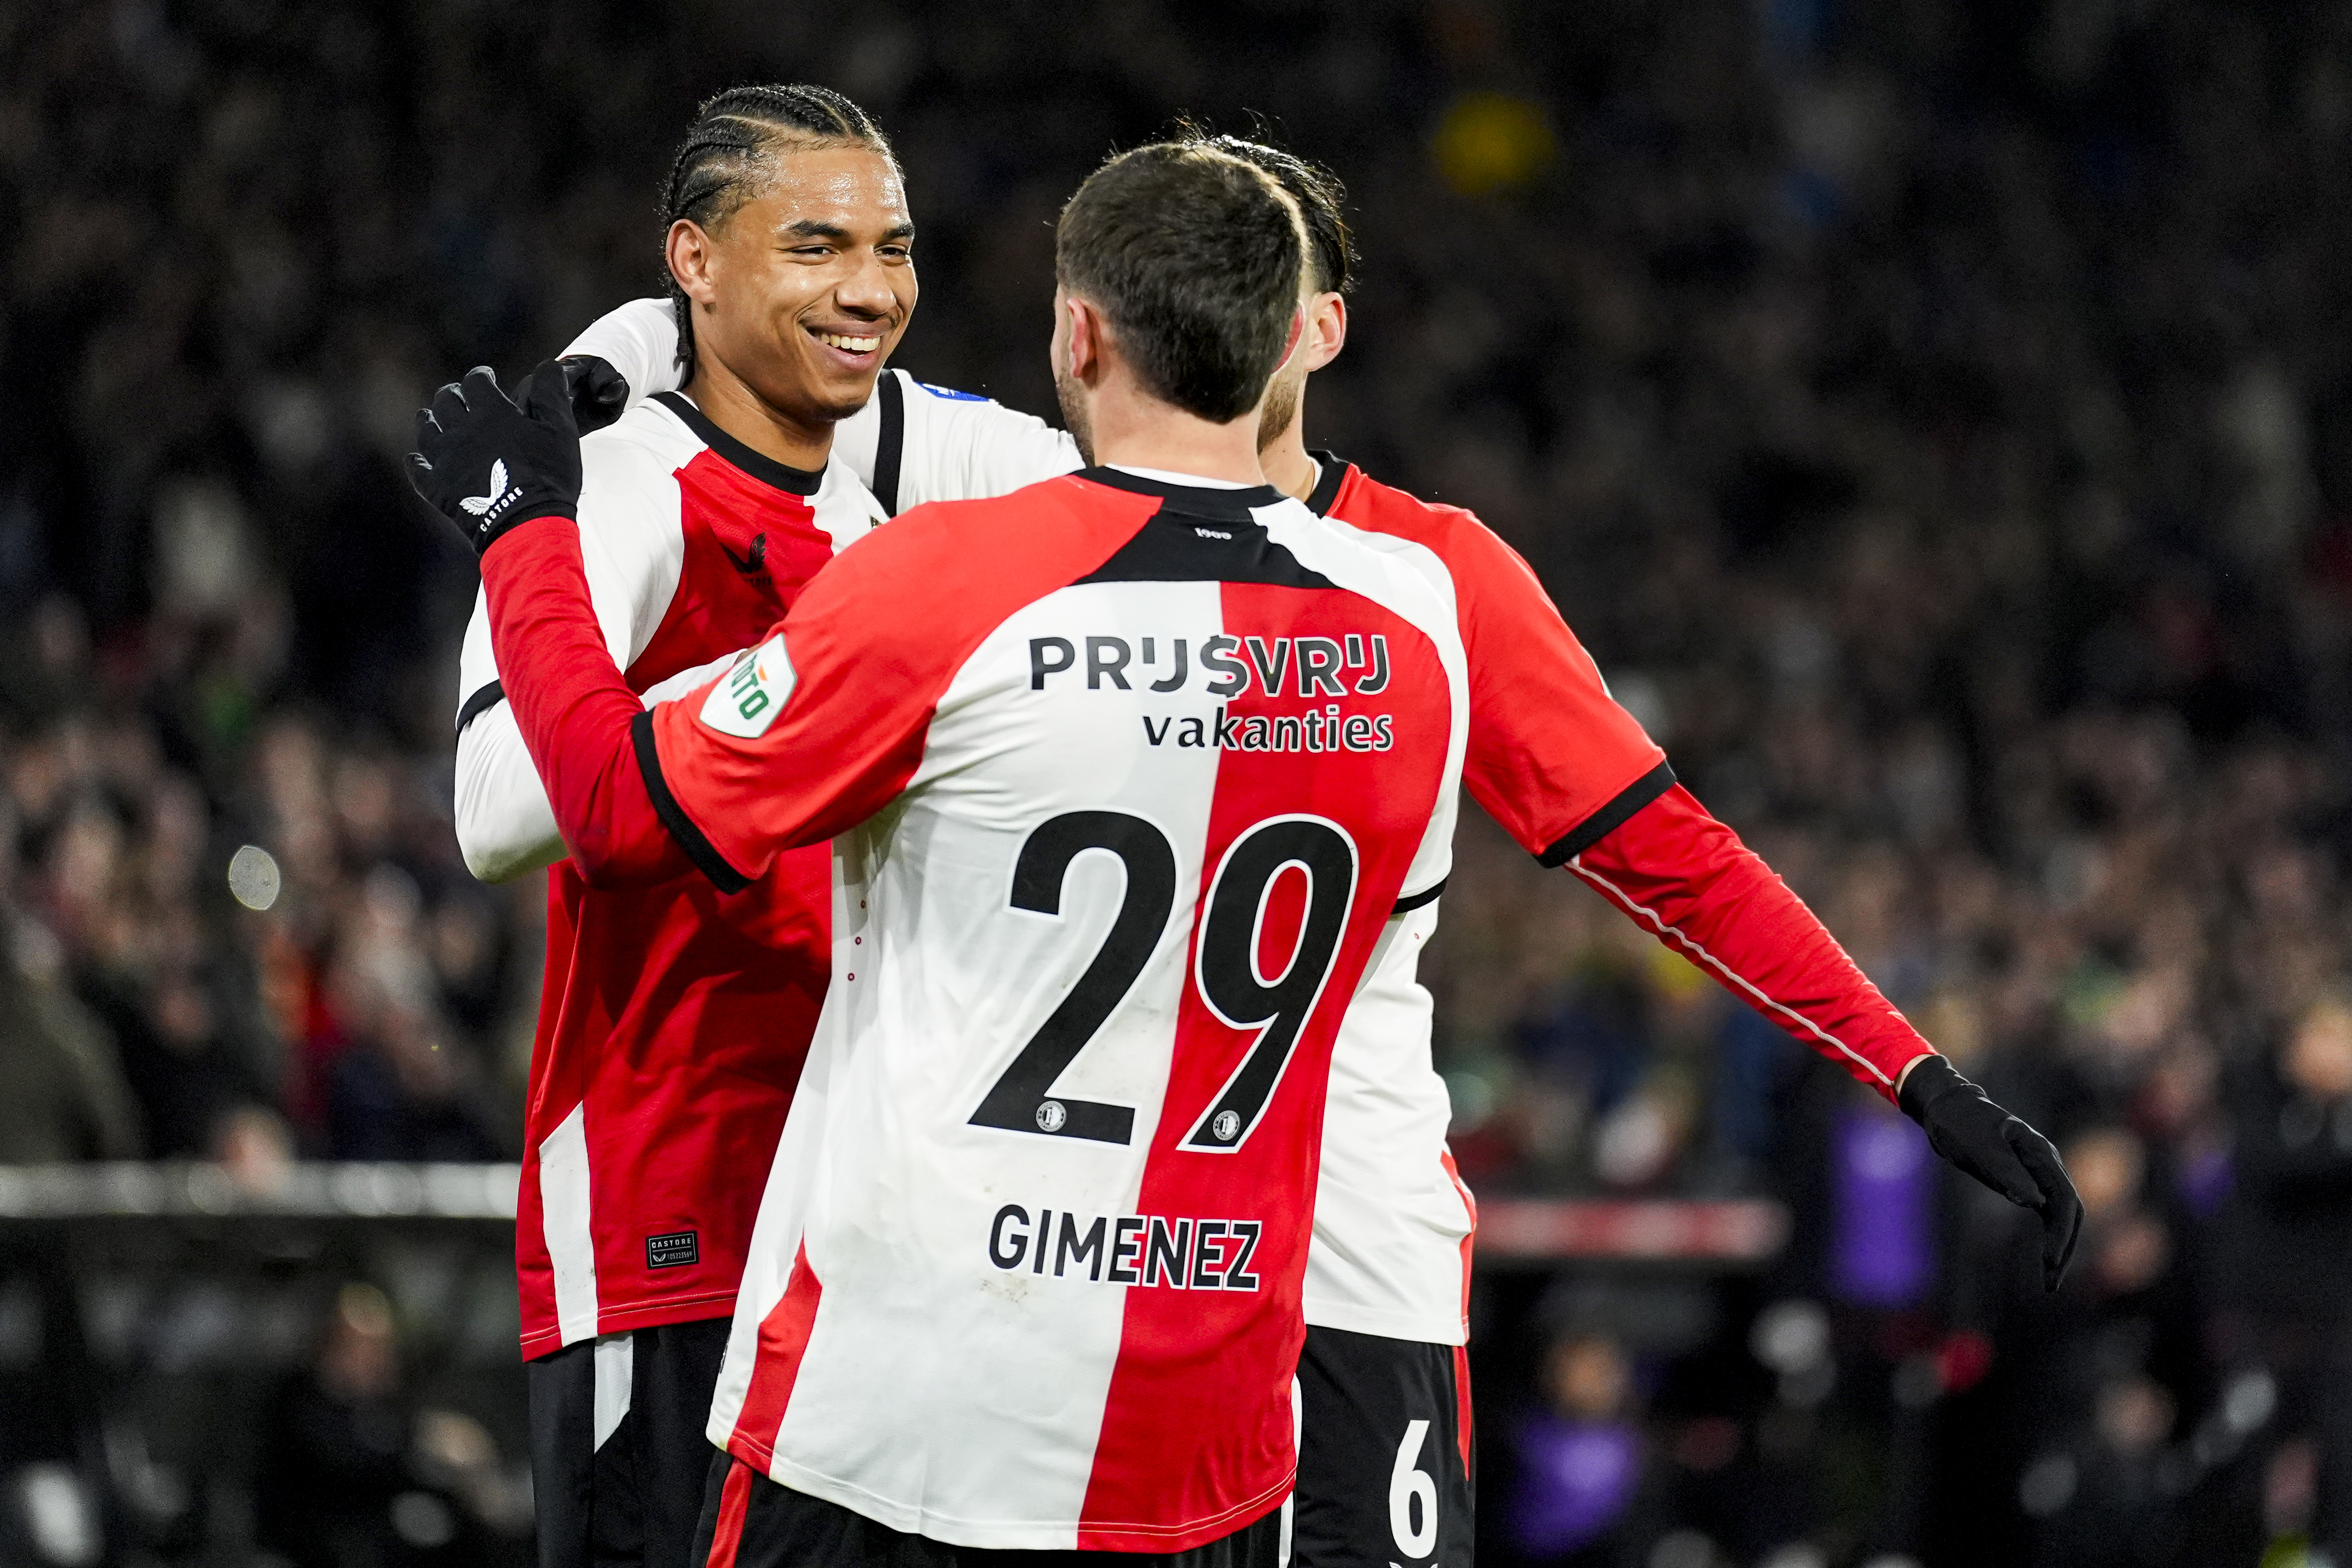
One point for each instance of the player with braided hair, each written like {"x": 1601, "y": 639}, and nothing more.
{"x": 673, "y": 1019}
{"x": 723, "y": 160}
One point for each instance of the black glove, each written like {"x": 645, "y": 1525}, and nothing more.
{"x": 487, "y": 464}
{"x": 1999, "y": 1150}
{"x": 599, "y": 393}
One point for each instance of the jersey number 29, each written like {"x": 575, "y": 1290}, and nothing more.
{"x": 1226, "y": 966}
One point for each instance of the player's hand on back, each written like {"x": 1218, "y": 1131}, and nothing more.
{"x": 599, "y": 393}
{"x": 487, "y": 463}
{"x": 1965, "y": 1126}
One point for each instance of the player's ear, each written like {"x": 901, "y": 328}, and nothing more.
{"x": 690, "y": 252}
{"x": 1326, "y": 329}
{"x": 1085, "y": 339}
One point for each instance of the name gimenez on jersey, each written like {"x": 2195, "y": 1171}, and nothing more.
{"x": 1319, "y": 666}
{"x": 1147, "y": 1250}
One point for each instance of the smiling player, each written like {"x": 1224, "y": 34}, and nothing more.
{"x": 674, "y": 1020}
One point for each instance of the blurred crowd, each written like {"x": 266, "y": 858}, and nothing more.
{"x": 1937, "y": 418}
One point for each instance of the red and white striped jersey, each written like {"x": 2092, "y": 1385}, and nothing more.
{"x": 1129, "y": 785}
{"x": 672, "y": 1019}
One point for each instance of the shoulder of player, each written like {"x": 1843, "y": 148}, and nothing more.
{"x": 942, "y": 414}
{"x": 929, "y": 395}
{"x": 843, "y": 498}
{"x": 1370, "y": 504}
{"x": 1471, "y": 551}
{"x": 648, "y": 442}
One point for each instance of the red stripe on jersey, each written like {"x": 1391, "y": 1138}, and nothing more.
{"x": 734, "y": 1503}
{"x": 1197, "y": 1434}
{"x": 1470, "y": 1237}
{"x": 776, "y": 1366}
{"x": 748, "y": 549}
{"x": 1462, "y": 1407}
{"x": 1549, "y": 746}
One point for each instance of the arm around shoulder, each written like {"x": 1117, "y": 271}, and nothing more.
{"x": 640, "y": 341}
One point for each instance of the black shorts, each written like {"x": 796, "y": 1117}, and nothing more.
{"x": 634, "y": 1497}
{"x": 750, "y": 1521}
{"x": 1384, "y": 1455}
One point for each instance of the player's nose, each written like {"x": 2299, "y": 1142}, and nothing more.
{"x": 869, "y": 291}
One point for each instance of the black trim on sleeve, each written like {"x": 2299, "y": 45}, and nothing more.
{"x": 1326, "y": 494}
{"x": 480, "y": 702}
{"x": 758, "y": 465}
{"x": 1413, "y": 900}
{"x": 706, "y": 859}
{"x": 890, "y": 445}
{"x": 1611, "y": 817}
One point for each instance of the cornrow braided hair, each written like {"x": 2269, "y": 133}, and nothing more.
{"x": 1320, "y": 195}
{"x": 718, "y": 164}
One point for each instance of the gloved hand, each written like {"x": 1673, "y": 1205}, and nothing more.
{"x": 599, "y": 393}
{"x": 1998, "y": 1149}
{"x": 487, "y": 464}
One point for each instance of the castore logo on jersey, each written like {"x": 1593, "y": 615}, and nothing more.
{"x": 754, "y": 564}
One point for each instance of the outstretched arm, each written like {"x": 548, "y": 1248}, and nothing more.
{"x": 1572, "y": 777}
{"x": 1687, "y": 877}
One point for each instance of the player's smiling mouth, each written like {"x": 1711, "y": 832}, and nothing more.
{"x": 854, "y": 345}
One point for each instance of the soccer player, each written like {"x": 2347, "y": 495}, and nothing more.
{"x": 674, "y": 1018}
{"x": 1124, "y": 811}
{"x": 1384, "y": 1383}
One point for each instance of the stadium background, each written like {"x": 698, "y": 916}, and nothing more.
{"x": 1935, "y": 414}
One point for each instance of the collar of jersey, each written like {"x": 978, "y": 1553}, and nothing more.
{"x": 759, "y": 465}
{"x": 1193, "y": 500}
{"x": 1326, "y": 494}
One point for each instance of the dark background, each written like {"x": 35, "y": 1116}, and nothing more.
{"x": 1932, "y": 413}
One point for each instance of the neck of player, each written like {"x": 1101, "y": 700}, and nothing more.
{"x": 1133, "y": 429}
{"x": 1288, "y": 467}
{"x": 796, "y": 440}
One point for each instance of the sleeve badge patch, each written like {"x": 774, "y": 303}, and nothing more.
{"x": 748, "y": 698}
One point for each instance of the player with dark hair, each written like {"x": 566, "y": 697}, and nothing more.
{"x": 1027, "y": 1270}
{"x": 673, "y": 1020}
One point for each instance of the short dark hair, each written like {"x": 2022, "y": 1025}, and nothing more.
{"x": 733, "y": 134}
{"x": 1322, "y": 201}
{"x": 1193, "y": 255}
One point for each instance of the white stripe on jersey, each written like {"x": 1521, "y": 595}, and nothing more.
{"x": 563, "y": 1200}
